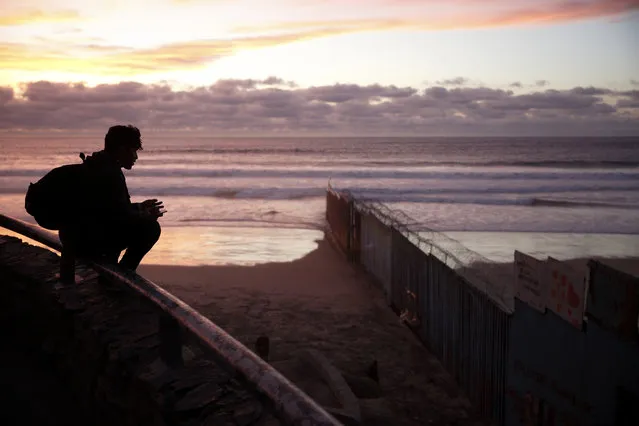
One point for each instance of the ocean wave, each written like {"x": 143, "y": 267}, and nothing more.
{"x": 354, "y": 158}
{"x": 343, "y": 173}
{"x": 462, "y": 195}
{"x": 506, "y": 201}
{"x": 405, "y": 162}
{"x": 549, "y": 202}
{"x": 252, "y": 222}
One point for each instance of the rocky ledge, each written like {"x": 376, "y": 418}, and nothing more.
{"x": 104, "y": 347}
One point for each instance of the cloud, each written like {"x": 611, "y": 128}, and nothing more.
{"x": 37, "y": 16}
{"x": 467, "y": 14}
{"x": 328, "y": 27}
{"x": 634, "y": 82}
{"x": 564, "y": 10}
{"x": 101, "y": 59}
{"x": 6, "y": 95}
{"x": 542, "y": 83}
{"x": 274, "y": 105}
{"x": 457, "y": 81}
{"x": 628, "y": 103}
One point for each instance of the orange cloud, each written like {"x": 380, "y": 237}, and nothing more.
{"x": 333, "y": 27}
{"x": 465, "y": 18}
{"x": 98, "y": 59}
{"x": 123, "y": 61}
{"x": 565, "y": 11}
{"x": 36, "y": 16}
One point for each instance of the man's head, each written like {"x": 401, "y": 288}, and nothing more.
{"x": 123, "y": 143}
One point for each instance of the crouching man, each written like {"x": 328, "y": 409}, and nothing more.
{"x": 106, "y": 222}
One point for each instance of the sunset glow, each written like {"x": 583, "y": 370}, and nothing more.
{"x": 185, "y": 44}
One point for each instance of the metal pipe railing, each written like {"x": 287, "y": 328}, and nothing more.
{"x": 289, "y": 403}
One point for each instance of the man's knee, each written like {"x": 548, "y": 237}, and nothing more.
{"x": 150, "y": 231}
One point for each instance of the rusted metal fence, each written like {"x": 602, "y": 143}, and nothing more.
{"x": 179, "y": 324}
{"x": 445, "y": 306}
{"x": 376, "y": 250}
{"x": 408, "y": 276}
{"x": 468, "y": 333}
{"x": 338, "y": 216}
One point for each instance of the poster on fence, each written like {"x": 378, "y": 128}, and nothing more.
{"x": 529, "y": 281}
{"x": 566, "y": 292}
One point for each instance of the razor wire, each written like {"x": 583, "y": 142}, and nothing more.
{"x": 488, "y": 276}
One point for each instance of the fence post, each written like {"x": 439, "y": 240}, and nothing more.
{"x": 349, "y": 231}
{"x": 170, "y": 341}
{"x": 67, "y": 266}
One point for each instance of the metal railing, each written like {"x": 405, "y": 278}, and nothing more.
{"x": 177, "y": 321}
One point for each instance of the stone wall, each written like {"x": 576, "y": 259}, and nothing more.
{"x": 104, "y": 346}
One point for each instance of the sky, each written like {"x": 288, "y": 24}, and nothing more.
{"x": 414, "y": 67}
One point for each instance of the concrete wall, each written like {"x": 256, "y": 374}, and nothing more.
{"x": 104, "y": 346}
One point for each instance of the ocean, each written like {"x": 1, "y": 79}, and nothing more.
{"x": 251, "y": 200}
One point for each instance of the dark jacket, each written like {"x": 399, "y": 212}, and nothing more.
{"x": 107, "y": 199}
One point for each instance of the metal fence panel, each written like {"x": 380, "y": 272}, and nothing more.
{"x": 560, "y": 374}
{"x": 376, "y": 250}
{"x": 338, "y": 216}
{"x": 613, "y": 300}
{"x": 355, "y": 235}
{"x": 407, "y": 268}
{"x": 466, "y": 331}
{"x": 460, "y": 324}
{"x": 547, "y": 363}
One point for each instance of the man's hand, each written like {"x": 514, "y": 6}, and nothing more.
{"x": 152, "y": 208}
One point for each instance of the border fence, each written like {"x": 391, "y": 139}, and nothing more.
{"x": 518, "y": 362}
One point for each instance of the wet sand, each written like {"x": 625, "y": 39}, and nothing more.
{"x": 322, "y": 302}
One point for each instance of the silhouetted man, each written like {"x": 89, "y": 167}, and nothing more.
{"x": 106, "y": 222}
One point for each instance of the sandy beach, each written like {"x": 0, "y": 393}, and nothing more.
{"x": 322, "y": 302}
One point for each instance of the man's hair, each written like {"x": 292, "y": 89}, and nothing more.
{"x": 118, "y": 136}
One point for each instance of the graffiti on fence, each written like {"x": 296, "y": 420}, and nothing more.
{"x": 553, "y": 385}
{"x": 530, "y": 280}
{"x": 566, "y": 292}
{"x": 547, "y": 360}
{"x": 575, "y": 373}
{"x": 532, "y": 411}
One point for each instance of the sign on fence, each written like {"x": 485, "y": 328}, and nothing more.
{"x": 566, "y": 293}
{"x": 529, "y": 281}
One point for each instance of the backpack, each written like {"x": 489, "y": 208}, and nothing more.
{"x": 54, "y": 199}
